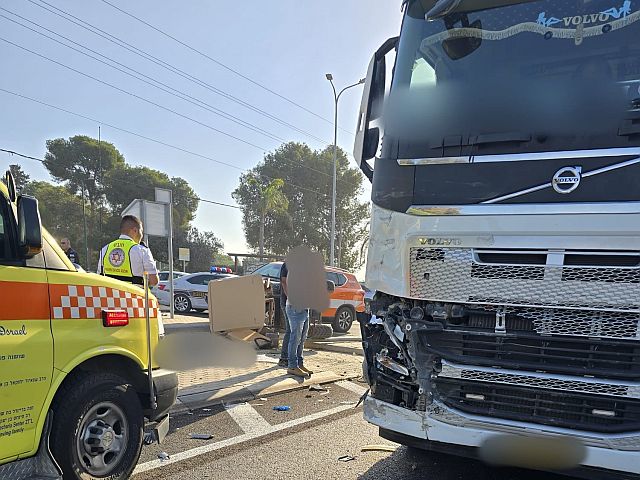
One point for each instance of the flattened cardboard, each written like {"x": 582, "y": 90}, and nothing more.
{"x": 236, "y": 303}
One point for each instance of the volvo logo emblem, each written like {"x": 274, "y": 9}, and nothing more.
{"x": 567, "y": 179}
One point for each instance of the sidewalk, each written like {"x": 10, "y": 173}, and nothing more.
{"x": 333, "y": 359}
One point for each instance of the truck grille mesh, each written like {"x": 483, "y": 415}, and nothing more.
{"x": 554, "y": 408}
{"x": 568, "y": 322}
{"x": 452, "y": 275}
{"x": 540, "y": 381}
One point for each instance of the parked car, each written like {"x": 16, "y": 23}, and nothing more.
{"x": 161, "y": 290}
{"x": 190, "y": 291}
{"x": 346, "y": 301}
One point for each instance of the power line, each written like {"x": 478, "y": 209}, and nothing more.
{"x": 149, "y": 57}
{"x": 41, "y": 160}
{"x": 219, "y": 63}
{"x": 169, "y": 89}
{"x": 154, "y": 140}
{"x": 122, "y": 90}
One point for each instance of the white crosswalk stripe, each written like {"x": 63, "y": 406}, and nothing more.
{"x": 247, "y": 418}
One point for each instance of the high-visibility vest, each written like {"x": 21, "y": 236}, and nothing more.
{"x": 116, "y": 262}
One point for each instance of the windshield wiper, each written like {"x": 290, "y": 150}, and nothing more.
{"x": 442, "y": 8}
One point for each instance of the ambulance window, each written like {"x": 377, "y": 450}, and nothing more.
{"x": 52, "y": 260}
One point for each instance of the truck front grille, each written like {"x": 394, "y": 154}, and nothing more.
{"x": 459, "y": 275}
{"x": 547, "y": 407}
{"x": 573, "y": 356}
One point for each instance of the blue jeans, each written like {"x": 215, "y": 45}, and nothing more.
{"x": 299, "y": 326}
{"x": 284, "y": 353}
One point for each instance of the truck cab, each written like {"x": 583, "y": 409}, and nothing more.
{"x": 77, "y": 386}
{"x": 504, "y": 155}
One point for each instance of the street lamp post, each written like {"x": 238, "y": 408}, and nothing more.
{"x": 336, "y": 96}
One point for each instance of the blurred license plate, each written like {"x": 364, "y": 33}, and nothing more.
{"x": 199, "y": 294}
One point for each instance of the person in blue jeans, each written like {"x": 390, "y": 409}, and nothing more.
{"x": 286, "y": 341}
{"x": 299, "y": 326}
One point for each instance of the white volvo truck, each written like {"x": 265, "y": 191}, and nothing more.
{"x": 504, "y": 156}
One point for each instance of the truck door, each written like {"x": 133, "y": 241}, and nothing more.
{"x": 26, "y": 342}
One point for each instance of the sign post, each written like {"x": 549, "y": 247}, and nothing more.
{"x": 157, "y": 218}
{"x": 166, "y": 196}
{"x": 185, "y": 256}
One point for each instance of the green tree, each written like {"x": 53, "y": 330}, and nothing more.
{"x": 82, "y": 163}
{"x": 203, "y": 249}
{"x": 270, "y": 200}
{"x": 307, "y": 177}
{"x": 19, "y": 176}
{"x": 61, "y": 212}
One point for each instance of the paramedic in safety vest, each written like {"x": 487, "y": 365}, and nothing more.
{"x": 125, "y": 258}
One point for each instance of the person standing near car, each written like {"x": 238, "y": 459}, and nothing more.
{"x": 65, "y": 243}
{"x": 298, "y": 327}
{"x": 126, "y": 258}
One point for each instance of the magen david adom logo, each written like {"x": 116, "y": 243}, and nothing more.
{"x": 116, "y": 257}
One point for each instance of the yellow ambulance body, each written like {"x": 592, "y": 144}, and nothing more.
{"x": 73, "y": 358}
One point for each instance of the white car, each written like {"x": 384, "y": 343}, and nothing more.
{"x": 190, "y": 291}
{"x": 161, "y": 290}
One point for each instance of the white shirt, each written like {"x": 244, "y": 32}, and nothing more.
{"x": 141, "y": 259}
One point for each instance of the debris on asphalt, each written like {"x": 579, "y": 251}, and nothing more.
{"x": 163, "y": 456}
{"x": 317, "y": 388}
{"x": 308, "y": 395}
{"x": 206, "y": 409}
{"x": 201, "y": 436}
{"x": 379, "y": 448}
{"x": 282, "y": 408}
{"x": 262, "y": 399}
{"x": 346, "y": 458}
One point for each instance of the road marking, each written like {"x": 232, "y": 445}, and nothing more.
{"x": 194, "y": 452}
{"x": 352, "y": 387}
{"x": 247, "y": 418}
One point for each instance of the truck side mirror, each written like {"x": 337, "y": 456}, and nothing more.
{"x": 331, "y": 287}
{"x": 29, "y": 227}
{"x": 367, "y": 138}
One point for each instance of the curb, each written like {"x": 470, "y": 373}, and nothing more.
{"x": 238, "y": 394}
{"x": 330, "y": 347}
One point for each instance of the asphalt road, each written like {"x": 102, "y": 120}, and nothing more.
{"x": 252, "y": 441}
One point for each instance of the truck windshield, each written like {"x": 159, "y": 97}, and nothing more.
{"x": 536, "y": 75}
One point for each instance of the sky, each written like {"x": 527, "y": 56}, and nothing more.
{"x": 286, "y": 46}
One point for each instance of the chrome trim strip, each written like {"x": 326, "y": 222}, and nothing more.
{"x": 521, "y": 157}
{"x": 434, "y": 161}
{"x": 598, "y": 171}
{"x": 525, "y": 209}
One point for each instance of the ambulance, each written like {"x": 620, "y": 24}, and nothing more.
{"x": 78, "y": 390}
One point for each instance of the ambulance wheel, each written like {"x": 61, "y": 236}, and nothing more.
{"x": 181, "y": 303}
{"x": 343, "y": 320}
{"x": 97, "y": 427}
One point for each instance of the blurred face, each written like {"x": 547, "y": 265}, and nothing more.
{"x": 65, "y": 244}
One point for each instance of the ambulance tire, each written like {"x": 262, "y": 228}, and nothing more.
{"x": 73, "y": 410}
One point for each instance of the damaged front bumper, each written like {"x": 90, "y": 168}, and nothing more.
{"x": 439, "y": 424}
{"x": 452, "y": 376}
